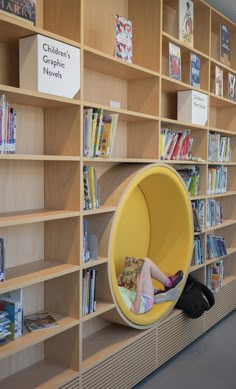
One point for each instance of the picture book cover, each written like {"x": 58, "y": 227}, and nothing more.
{"x": 39, "y": 321}
{"x": 218, "y": 81}
{"x": 174, "y": 61}
{"x": 231, "y": 86}
{"x": 132, "y": 268}
{"x": 123, "y": 31}
{"x": 186, "y": 21}
{"x": 195, "y": 64}
{"x": 225, "y": 37}
{"x": 21, "y": 9}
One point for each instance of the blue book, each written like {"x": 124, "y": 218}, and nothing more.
{"x": 225, "y": 38}
{"x": 195, "y": 64}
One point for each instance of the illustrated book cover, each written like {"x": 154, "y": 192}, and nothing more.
{"x": 231, "y": 86}
{"x": 195, "y": 64}
{"x": 19, "y": 9}
{"x": 39, "y": 321}
{"x": 174, "y": 61}
{"x": 132, "y": 268}
{"x": 186, "y": 21}
{"x": 225, "y": 37}
{"x": 123, "y": 49}
{"x": 218, "y": 81}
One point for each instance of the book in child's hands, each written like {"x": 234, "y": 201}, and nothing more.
{"x": 123, "y": 47}
{"x": 224, "y": 44}
{"x": 195, "y": 65}
{"x": 231, "y": 86}
{"x": 218, "y": 81}
{"x": 39, "y": 321}
{"x": 186, "y": 21}
{"x": 19, "y": 9}
{"x": 132, "y": 268}
{"x": 174, "y": 61}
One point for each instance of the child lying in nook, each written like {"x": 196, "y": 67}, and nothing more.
{"x": 139, "y": 297}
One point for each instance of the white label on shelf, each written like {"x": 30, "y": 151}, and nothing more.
{"x": 115, "y": 104}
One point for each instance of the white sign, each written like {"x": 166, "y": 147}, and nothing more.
{"x": 49, "y": 66}
{"x": 193, "y": 107}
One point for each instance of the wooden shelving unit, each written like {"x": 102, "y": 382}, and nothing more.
{"x": 41, "y": 215}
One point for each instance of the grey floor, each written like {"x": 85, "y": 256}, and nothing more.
{"x": 208, "y": 363}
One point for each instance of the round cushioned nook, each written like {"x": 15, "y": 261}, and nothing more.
{"x": 153, "y": 219}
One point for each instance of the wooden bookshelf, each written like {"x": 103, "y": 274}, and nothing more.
{"x": 41, "y": 214}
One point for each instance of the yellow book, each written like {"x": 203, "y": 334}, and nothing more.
{"x": 92, "y": 186}
{"x": 107, "y": 128}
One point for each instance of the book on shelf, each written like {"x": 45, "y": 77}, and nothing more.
{"x": 195, "y": 67}
{"x": 225, "y": 44}
{"x": 174, "y": 61}
{"x": 89, "y": 291}
{"x": 24, "y": 10}
{"x": 217, "y": 179}
{"x": 186, "y": 21}
{"x": 214, "y": 275}
{"x": 90, "y": 244}
{"x": 4, "y": 326}
{"x": 123, "y": 31}
{"x": 7, "y": 127}
{"x": 219, "y": 148}
{"x": 231, "y": 86}
{"x": 91, "y": 198}
{"x": 198, "y": 207}
{"x": 215, "y": 246}
{"x": 197, "y": 258}
{"x": 219, "y": 81}
{"x": 214, "y": 213}
{"x": 12, "y": 303}
{"x": 175, "y": 145}
{"x": 191, "y": 177}
{"x": 2, "y": 259}
{"x": 192, "y": 107}
{"x": 39, "y": 321}
{"x": 132, "y": 268}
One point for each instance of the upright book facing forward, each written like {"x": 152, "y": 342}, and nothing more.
{"x": 123, "y": 47}
{"x": 218, "y": 81}
{"x": 186, "y": 21}
{"x": 195, "y": 65}
{"x": 174, "y": 61}
{"x": 231, "y": 86}
{"x": 19, "y": 9}
{"x": 225, "y": 44}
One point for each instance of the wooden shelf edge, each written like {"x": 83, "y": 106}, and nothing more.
{"x": 230, "y": 251}
{"x": 101, "y": 308}
{"x": 38, "y": 157}
{"x": 94, "y": 262}
{"x": 102, "y": 209}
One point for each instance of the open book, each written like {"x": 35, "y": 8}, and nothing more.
{"x": 132, "y": 267}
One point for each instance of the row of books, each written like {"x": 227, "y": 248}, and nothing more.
{"x": 214, "y": 275}
{"x": 99, "y": 132}
{"x": 198, "y": 207}
{"x": 219, "y": 149}
{"x": 175, "y": 144}
{"x": 214, "y": 213}
{"x": 89, "y": 291}
{"x": 91, "y": 198}
{"x": 2, "y": 260}
{"x": 215, "y": 246}
{"x": 11, "y": 308}
{"x": 217, "y": 179}
{"x": 197, "y": 258}
{"x": 191, "y": 178}
{"x": 7, "y": 127}
{"x": 175, "y": 65}
{"x": 219, "y": 83}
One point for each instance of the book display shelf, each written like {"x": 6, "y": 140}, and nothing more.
{"x": 41, "y": 207}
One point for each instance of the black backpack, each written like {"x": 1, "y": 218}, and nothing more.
{"x": 195, "y": 299}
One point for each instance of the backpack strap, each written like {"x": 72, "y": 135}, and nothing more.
{"x": 207, "y": 294}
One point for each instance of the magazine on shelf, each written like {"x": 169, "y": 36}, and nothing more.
{"x": 225, "y": 37}
{"x": 174, "y": 61}
{"x": 186, "y": 21}
{"x": 39, "y": 321}
{"x": 123, "y": 48}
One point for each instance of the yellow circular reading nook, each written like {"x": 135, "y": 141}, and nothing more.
{"x": 153, "y": 219}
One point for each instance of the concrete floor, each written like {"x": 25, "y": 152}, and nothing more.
{"x": 208, "y": 363}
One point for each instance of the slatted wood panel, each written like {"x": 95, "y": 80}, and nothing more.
{"x": 126, "y": 368}
{"x": 225, "y": 303}
{"x": 74, "y": 384}
{"x": 176, "y": 334}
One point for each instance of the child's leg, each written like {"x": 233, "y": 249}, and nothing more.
{"x": 156, "y": 273}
